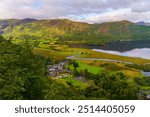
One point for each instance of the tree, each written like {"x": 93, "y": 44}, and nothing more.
{"x": 75, "y": 72}
{"x": 57, "y": 91}
{"x": 22, "y": 74}
{"x": 75, "y": 64}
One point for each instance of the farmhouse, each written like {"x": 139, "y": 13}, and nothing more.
{"x": 57, "y": 69}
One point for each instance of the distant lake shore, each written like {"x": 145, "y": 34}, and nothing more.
{"x": 137, "y": 52}
{"x": 138, "y": 49}
{"x": 120, "y": 46}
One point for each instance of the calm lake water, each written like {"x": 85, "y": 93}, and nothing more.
{"x": 121, "y": 46}
{"x": 138, "y": 52}
{"x": 139, "y": 49}
{"x": 146, "y": 73}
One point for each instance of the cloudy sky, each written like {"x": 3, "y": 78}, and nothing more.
{"x": 92, "y": 11}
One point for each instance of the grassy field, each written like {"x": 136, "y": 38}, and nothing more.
{"x": 90, "y": 68}
{"x": 113, "y": 68}
{"x": 55, "y": 54}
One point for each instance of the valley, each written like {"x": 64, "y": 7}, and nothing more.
{"x": 78, "y": 60}
{"x": 96, "y": 63}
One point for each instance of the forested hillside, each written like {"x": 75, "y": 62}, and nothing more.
{"x": 64, "y": 30}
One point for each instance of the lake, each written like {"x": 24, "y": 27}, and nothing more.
{"x": 137, "y": 52}
{"x": 121, "y": 46}
{"x": 139, "y": 49}
{"x": 146, "y": 73}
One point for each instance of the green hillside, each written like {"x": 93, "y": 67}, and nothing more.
{"x": 63, "y": 30}
{"x": 125, "y": 30}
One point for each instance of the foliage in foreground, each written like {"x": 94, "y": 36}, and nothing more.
{"x": 22, "y": 74}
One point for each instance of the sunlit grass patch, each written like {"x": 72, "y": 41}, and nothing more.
{"x": 90, "y": 68}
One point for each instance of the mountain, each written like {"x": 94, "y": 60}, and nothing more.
{"x": 125, "y": 31}
{"x": 64, "y": 30}
{"x": 13, "y": 22}
{"x": 143, "y": 23}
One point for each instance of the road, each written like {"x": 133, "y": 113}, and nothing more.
{"x": 97, "y": 59}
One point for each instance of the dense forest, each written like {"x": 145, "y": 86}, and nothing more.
{"x": 24, "y": 75}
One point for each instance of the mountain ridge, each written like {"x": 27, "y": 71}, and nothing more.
{"x": 143, "y": 23}
{"x": 66, "y": 30}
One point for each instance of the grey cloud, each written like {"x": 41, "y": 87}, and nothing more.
{"x": 142, "y": 6}
{"x": 75, "y": 9}
{"x": 82, "y": 7}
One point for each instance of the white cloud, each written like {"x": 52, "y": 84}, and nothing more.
{"x": 84, "y": 10}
